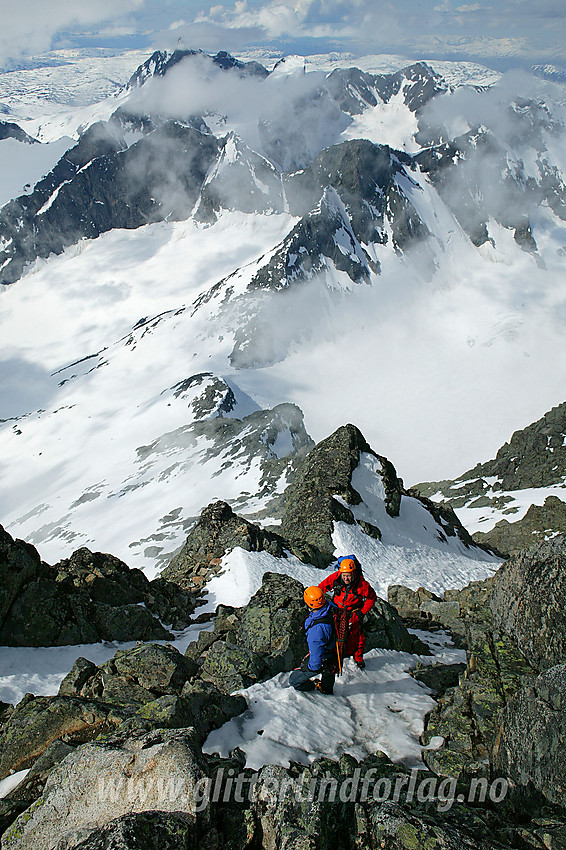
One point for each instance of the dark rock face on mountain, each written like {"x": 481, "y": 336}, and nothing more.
{"x": 346, "y": 198}
{"x": 83, "y": 599}
{"x": 530, "y": 588}
{"x": 160, "y": 62}
{"x": 355, "y": 90}
{"x": 534, "y": 457}
{"x": 477, "y": 180}
{"x": 101, "y": 184}
{"x": 311, "y": 506}
{"x": 241, "y": 179}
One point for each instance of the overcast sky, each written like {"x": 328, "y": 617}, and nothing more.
{"x": 498, "y": 33}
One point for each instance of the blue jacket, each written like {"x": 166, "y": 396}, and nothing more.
{"x": 321, "y": 636}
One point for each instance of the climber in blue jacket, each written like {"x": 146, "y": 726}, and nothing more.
{"x": 320, "y": 633}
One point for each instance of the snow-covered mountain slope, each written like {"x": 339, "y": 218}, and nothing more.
{"x": 391, "y": 288}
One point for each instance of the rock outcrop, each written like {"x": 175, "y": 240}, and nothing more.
{"x": 88, "y": 597}
{"x": 529, "y": 602}
{"x": 217, "y": 531}
{"x": 539, "y": 523}
{"x": 311, "y": 504}
{"x": 529, "y": 747}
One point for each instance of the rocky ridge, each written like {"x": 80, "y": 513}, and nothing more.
{"x": 319, "y": 494}
{"x": 116, "y": 757}
{"x": 503, "y": 716}
{"x": 534, "y": 458}
{"x": 82, "y": 599}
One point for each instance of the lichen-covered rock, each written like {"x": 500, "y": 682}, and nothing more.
{"x": 399, "y": 827}
{"x": 131, "y": 677}
{"x": 530, "y": 746}
{"x": 38, "y": 721}
{"x": 529, "y": 602}
{"x": 326, "y": 472}
{"x": 103, "y": 781}
{"x": 466, "y": 717}
{"x": 232, "y": 667}
{"x": 142, "y": 831}
{"x": 160, "y": 669}
{"x": 217, "y": 531}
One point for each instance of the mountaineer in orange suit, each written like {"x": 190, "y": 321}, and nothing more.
{"x": 352, "y": 593}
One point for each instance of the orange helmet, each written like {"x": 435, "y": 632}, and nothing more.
{"x": 347, "y": 565}
{"x": 314, "y": 597}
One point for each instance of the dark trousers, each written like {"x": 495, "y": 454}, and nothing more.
{"x": 302, "y": 680}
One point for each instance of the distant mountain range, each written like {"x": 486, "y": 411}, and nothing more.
{"x": 232, "y": 258}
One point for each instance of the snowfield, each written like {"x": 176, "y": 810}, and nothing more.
{"x": 381, "y": 708}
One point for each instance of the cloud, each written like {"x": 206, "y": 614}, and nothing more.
{"x": 505, "y": 29}
{"x": 31, "y": 26}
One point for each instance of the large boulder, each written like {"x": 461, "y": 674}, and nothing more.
{"x": 155, "y": 685}
{"x": 86, "y": 598}
{"x": 256, "y": 641}
{"x": 217, "y": 531}
{"x": 130, "y": 677}
{"x": 531, "y": 746}
{"x": 37, "y": 722}
{"x": 529, "y": 602}
{"x": 103, "y": 781}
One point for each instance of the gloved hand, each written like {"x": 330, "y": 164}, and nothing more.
{"x": 357, "y": 617}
